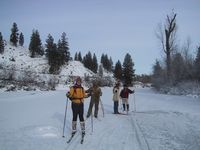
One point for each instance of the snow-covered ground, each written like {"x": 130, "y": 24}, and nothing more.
{"x": 34, "y": 121}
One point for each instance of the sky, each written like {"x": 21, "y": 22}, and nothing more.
{"x": 112, "y": 27}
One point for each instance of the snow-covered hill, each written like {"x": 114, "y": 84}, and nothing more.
{"x": 16, "y": 63}
{"x": 19, "y": 57}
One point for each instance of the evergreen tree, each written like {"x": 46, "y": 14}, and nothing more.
{"x": 64, "y": 47}
{"x": 1, "y": 44}
{"x": 106, "y": 62}
{"x": 61, "y": 53}
{"x": 94, "y": 64}
{"x": 118, "y": 70}
{"x": 21, "y": 39}
{"x": 52, "y": 55}
{"x": 157, "y": 77}
{"x": 100, "y": 72}
{"x": 14, "y": 34}
{"x": 80, "y": 57}
{"x": 157, "y": 70}
{"x": 55, "y": 61}
{"x": 128, "y": 71}
{"x": 177, "y": 68}
{"x": 102, "y": 59}
{"x": 49, "y": 48}
{"x": 110, "y": 65}
{"x": 76, "y": 57}
{"x": 87, "y": 60}
{"x": 197, "y": 65}
{"x": 35, "y": 45}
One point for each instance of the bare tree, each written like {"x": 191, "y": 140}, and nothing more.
{"x": 167, "y": 36}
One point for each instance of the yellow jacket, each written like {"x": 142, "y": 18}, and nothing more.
{"x": 77, "y": 94}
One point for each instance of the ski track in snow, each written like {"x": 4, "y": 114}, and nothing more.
{"x": 161, "y": 122}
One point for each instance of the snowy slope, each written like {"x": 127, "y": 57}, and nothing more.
{"x": 20, "y": 58}
{"x": 16, "y": 61}
{"x": 34, "y": 121}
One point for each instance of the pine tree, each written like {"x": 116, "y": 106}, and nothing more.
{"x": 110, "y": 64}
{"x": 21, "y": 39}
{"x": 49, "y": 48}
{"x": 53, "y": 55}
{"x": 94, "y": 64}
{"x": 14, "y": 34}
{"x": 1, "y": 44}
{"x": 64, "y": 47}
{"x": 106, "y": 62}
{"x": 128, "y": 71}
{"x": 177, "y": 68}
{"x": 87, "y": 60}
{"x": 100, "y": 72}
{"x": 76, "y": 57}
{"x": 157, "y": 70}
{"x": 80, "y": 57}
{"x": 102, "y": 59}
{"x": 118, "y": 70}
{"x": 197, "y": 65}
{"x": 61, "y": 53}
{"x": 54, "y": 60}
{"x": 157, "y": 77}
{"x": 35, "y": 45}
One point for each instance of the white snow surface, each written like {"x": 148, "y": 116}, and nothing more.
{"x": 34, "y": 121}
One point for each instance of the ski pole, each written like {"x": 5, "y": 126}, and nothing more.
{"x": 134, "y": 102}
{"x": 65, "y": 118}
{"x": 102, "y": 107}
{"x": 92, "y": 121}
{"x": 121, "y": 103}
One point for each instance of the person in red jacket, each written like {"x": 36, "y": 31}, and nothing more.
{"x": 124, "y": 94}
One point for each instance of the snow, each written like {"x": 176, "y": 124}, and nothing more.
{"x": 34, "y": 120}
{"x": 16, "y": 64}
{"x": 22, "y": 61}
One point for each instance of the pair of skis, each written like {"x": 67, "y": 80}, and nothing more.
{"x": 72, "y": 135}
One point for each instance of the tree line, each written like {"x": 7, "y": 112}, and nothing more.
{"x": 58, "y": 54}
{"x": 178, "y": 64}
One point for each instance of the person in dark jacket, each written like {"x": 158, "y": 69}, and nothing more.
{"x": 124, "y": 94}
{"x": 95, "y": 93}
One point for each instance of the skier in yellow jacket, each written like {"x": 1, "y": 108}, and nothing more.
{"x": 77, "y": 95}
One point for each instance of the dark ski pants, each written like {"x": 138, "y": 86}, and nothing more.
{"x": 116, "y": 104}
{"x": 96, "y": 108}
{"x": 77, "y": 110}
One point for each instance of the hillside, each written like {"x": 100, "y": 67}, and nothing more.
{"x": 16, "y": 64}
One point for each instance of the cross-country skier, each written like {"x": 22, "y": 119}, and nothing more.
{"x": 124, "y": 94}
{"x": 116, "y": 91}
{"x": 95, "y": 93}
{"x": 77, "y": 95}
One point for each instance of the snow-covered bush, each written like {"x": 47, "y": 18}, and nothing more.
{"x": 7, "y": 73}
{"x": 53, "y": 81}
{"x": 189, "y": 88}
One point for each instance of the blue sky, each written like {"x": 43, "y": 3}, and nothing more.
{"x": 114, "y": 27}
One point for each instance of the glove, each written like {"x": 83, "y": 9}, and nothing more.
{"x": 88, "y": 95}
{"x": 68, "y": 94}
